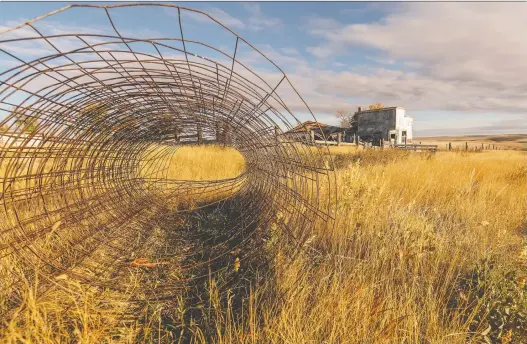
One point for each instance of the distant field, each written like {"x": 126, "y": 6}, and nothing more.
{"x": 505, "y": 141}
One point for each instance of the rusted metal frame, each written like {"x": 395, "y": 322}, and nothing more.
{"x": 160, "y": 98}
{"x": 103, "y": 59}
{"x": 123, "y": 41}
{"x": 186, "y": 53}
{"x": 133, "y": 53}
{"x": 66, "y": 55}
{"x": 228, "y": 83}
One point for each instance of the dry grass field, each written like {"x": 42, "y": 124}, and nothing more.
{"x": 504, "y": 141}
{"x": 426, "y": 249}
{"x": 205, "y": 163}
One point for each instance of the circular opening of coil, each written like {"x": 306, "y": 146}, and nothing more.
{"x": 93, "y": 120}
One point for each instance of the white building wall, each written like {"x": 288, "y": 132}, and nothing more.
{"x": 403, "y": 123}
{"x": 385, "y": 123}
{"x": 409, "y": 128}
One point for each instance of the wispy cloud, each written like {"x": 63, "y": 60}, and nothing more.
{"x": 216, "y": 13}
{"x": 461, "y": 60}
{"x": 290, "y": 51}
{"x": 257, "y": 20}
{"x": 456, "y": 57}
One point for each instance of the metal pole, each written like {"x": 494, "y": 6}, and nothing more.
{"x": 176, "y": 135}
{"x": 218, "y": 133}
{"x": 200, "y": 134}
{"x": 226, "y": 135}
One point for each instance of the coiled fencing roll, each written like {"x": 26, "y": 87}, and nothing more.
{"x": 90, "y": 110}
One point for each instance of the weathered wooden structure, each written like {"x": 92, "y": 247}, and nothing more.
{"x": 315, "y": 131}
{"x": 387, "y": 124}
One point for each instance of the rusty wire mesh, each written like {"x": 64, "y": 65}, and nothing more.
{"x": 87, "y": 123}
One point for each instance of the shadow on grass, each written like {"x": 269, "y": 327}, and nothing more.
{"x": 225, "y": 257}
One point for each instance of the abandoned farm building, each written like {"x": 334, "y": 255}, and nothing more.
{"x": 390, "y": 124}
{"x": 387, "y": 124}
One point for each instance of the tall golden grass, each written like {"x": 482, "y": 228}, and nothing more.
{"x": 180, "y": 173}
{"x": 417, "y": 240}
{"x": 205, "y": 163}
{"x": 426, "y": 249}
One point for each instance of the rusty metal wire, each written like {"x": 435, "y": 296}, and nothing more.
{"x": 82, "y": 120}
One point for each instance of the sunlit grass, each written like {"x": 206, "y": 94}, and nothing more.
{"x": 425, "y": 247}
{"x": 417, "y": 240}
{"x": 205, "y": 163}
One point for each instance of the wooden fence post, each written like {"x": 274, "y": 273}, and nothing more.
{"x": 312, "y": 135}
{"x": 450, "y": 146}
{"x": 339, "y": 138}
{"x": 466, "y": 146}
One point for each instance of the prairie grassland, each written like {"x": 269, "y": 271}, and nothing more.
{"x": 180, "y": 173}
{"x": 195, "y": 163}
{"x": 205, "y": 163}
{"x": 426, "y": 249}
{"x": 69, "y": 311}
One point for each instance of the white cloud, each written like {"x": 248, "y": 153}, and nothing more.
{"x": 252, "y": 7}
{"x": 226, "y": 19}
{"x": 255, "y": 21}
{"x": 216, "y": 13}
{"x": 464, "y": 56}
{"x": 447, "y": 56}
{"x": 290, "y": 51}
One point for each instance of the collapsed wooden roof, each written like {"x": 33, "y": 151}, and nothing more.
{"x": 322, "y": 131}
{"x": 307, "y": 126}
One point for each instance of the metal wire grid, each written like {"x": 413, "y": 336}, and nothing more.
{"x": 81, "y": 121}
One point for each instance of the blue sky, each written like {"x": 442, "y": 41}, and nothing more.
{"x": 458, "y": 68}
